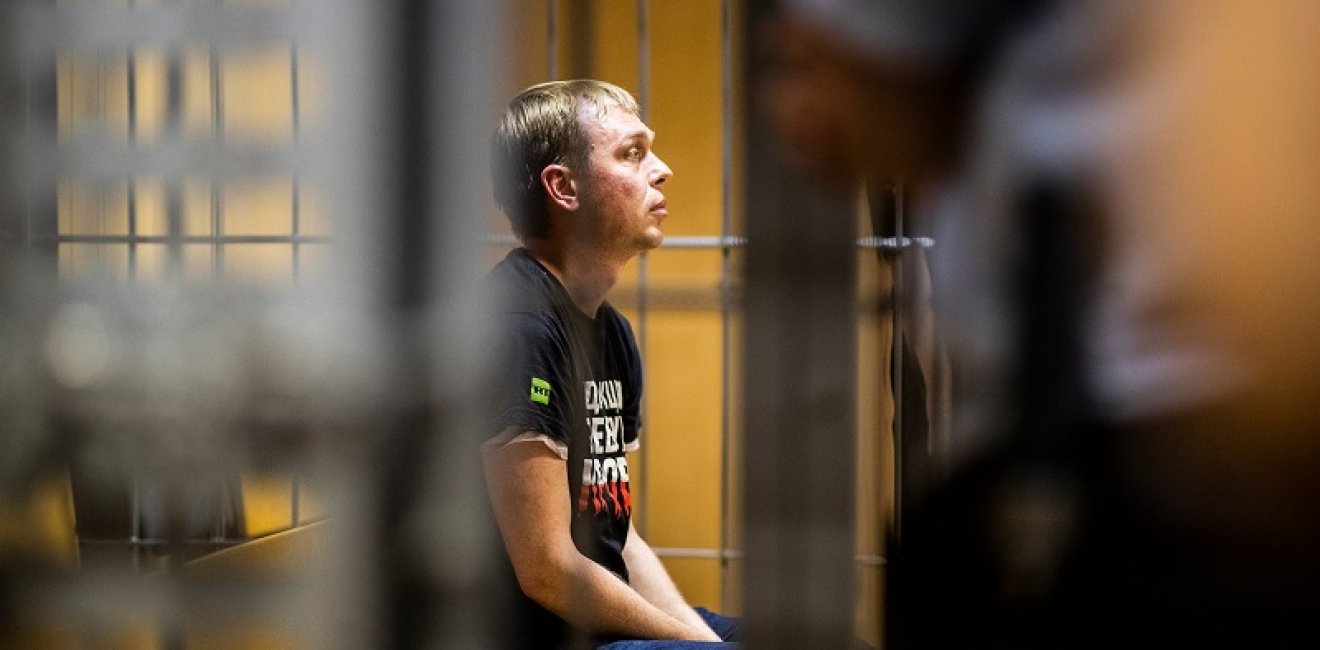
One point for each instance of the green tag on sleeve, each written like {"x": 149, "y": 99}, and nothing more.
{"x": 540, "y": 391}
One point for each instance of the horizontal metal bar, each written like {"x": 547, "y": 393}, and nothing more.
{"x": 717, "y": 554}
{"x": 154, "y": 541}
{"x": 714, "y": 241}
{"x": 107, "y": 156}
{"x": 187, "y": 239}
{"x": 719, "y": 242}
{"x": 701, "y": 553}
{"x": 923, "y": 242}
{"x": 48, "y": 28}
{"x": 895, "y": 243}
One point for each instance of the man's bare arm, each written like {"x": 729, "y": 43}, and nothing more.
{"x": 647, "y": 575}
{"x": 529, "y": 495}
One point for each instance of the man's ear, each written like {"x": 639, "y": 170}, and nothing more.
{"x": 560, "y": 186}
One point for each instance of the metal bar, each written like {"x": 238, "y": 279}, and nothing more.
{"x": 25, "y": 78}
{"x": 183, "y": 239}
{"x": 295, "y": 498}
{"x": 145, "y": 542}
{"x": 726, "y": 330}
{"x": 221, "y": 521}
{"x": 896, "y": 368}
{"x": 463, "y": 371}
{"x": 454, "y": 44}
{"x": 93, "y": 157}
{"x": 697, "y": 553}
{"x": 582, "y": 44}
{"x": 731, "y": 554}
{"x": 896, "y": 244}
{"x": 359, "y": 116}
{"x": 173, "y": 187}
{"x": 134, "y": 520}
{"x": 552, "y": 39}
{"x": 643, "y": 101}
{"x": 131, "y": 80}
{"x": 644, "y": 58}
{"x": 41, "y": 83}
{"x": 38, "y": 193}
{"x": 800, "y": 369}
{"x": 295, "y": 227}
{"x": 218, "y": 134}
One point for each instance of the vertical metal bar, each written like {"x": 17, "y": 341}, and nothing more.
{"x": 221, "y": 519}
{"x": 726, "y": 230}
{"x": 40, "y": 80}
{"x": 37, "y": 111}
{"x": 131, "y": 73}
{"x": 643, "y": 101}
{"x": 582, "y": 44}
{"x": 25, "y": 79}
{"x": 800, "y": 369}
{"x": 896, "y": 363}
{"x": 135, "y": 519}
{"x": 552, "y": 39}
{"x": 458, "y": 54}
{"x": 644, "y": 58}
{"x": 223, "y": 495}
{"x": 174, "y": 186}
{"x": 218, "y": 133}
{"x": 104, "y": 186}
{"x": 356, "y": 41}
{"x": 295, "y": 227}
{"x": 131, "y": 80}
{"x": 295, "y": 497}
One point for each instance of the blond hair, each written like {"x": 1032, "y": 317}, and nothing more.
{"x": 541, "y": 127}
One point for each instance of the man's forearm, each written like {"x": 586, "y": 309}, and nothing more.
{"x": 647, "y": 575}
{"x": 533, "y": 508}
{"x": 592, "y": 598}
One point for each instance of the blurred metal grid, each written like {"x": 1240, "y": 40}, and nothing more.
{"x": 38, "y": 159}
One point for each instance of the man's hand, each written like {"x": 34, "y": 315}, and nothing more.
{"x": 529, "y": 494}
{"x": 647, "y": 575}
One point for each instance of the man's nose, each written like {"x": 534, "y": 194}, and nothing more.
{"x": 662, "y": 172}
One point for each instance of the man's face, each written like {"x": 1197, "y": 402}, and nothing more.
{"x": 620, "y": 192}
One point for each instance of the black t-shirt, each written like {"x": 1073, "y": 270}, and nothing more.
{"x": 576, "y": 381}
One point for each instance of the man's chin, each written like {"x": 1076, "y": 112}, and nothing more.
{"x": 652, "y": 240}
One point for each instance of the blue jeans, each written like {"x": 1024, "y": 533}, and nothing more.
{"x": 727, "y": 627}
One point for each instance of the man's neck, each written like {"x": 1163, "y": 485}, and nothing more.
{"x": 586, "y": 276}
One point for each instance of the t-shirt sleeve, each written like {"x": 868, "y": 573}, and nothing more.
{"x": 529, "y": 383}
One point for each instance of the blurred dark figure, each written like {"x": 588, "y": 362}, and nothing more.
{"x": 1125, "y": 198}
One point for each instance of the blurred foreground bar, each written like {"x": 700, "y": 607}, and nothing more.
{"x": 801, "y": 377}
{"x": 155, "y": 393}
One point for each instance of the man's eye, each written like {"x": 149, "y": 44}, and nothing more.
{"x": 635, "y": 153}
